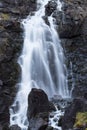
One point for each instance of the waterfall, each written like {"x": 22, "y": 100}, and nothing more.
{"x": 42, "y": 63}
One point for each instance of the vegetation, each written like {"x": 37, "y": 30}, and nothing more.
{"x": 4, "y": 16}
{"x": 81, "y": 120}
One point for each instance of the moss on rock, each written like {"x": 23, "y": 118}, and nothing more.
{"x": 4, "y": 16}
{"x": 81, "y": 120}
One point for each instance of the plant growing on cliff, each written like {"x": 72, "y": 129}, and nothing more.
{"x": 81, "y": 120}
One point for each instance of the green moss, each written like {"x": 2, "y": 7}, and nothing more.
{"x": 81, "y": 119}
{"x": 4, "y": 16}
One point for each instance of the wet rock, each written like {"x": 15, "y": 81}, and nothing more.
{"x": 10, "y": 48}
{"x": 51, "y": 107}
{"x": 38, "y": 111}
{"x": 37, "y": 102}
{"x": 37, "y": 123}
{"x": 72, "y": 18}
{"x": 78, "y": 105}
{"x": 60, "y": 121}
{"x": 6, "y": 127}
{"x": 57, "y": 97}
{"x": 49, "y": 128}
{"x": 72, "y": 29}
{"x": 50, "y": 7}
{"x": 15, "y": 127}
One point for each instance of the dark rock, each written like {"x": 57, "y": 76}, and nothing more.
{"x": 43, "y": 127}
{"x": 38, "y": 111}
{"x": 60, "y": 121}
{"x": 6, "y": 127}
{"x": 49, "y": 128}
{"x": 37, "y": 123}
{"x": 37, "y": 102}
{"x": 71, "y": 18}
{"x": 13, "y": 26}
{"x": 0, "y": 127}
{"x": 85, "y": 95}
{"x": 72, "y": 29}
{"x": 51, "y": 107}
{"x": 78, "y": 105}
{"x": 15, "y": 127}
{"x": 50, "y": 7}
{"x": 11, "y": 43}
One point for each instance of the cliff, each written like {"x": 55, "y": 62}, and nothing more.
{"x": 72, "y": 30}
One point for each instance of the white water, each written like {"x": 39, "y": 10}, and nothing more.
{"x": 54, "y": 118}
{"x": 42, "y": 64}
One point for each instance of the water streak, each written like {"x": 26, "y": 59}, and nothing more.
{"x": 42, "y": 63}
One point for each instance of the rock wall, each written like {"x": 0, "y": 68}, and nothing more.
{"x": 11, "y": 42}
{"x": 72, "y": 28}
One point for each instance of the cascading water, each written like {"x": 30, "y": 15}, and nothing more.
{"x": 42, "y": 63}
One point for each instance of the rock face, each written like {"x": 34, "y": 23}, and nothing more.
{"x": 11, "y": 41}
{"x": 78, "y": 105}
{"x": 72, "y": 28}
{"x": 50, "y": 8}
{"x": 38, "y": 109}
{"x": 15, "y": 127}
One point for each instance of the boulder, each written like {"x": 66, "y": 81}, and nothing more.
{"x": 38, "y": 109}
{"x": 38, "y": 102}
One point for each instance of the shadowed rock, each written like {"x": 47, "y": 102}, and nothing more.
{"x": 15, "y": 127}
{"x": 78, "y": 105}
{"x": 38, "y": 102}
{"x": 50, "y": 7}
{"x": 38, "y": 109}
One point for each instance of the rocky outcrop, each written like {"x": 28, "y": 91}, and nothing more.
{"x": 11, "y": 42}
{"x": 78, "y": 105}
{"x": 38, "y": 109}
{"x": 50, "y": 8}
{"x": 72, "y": 29}
{"x": 37, "y": 102}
